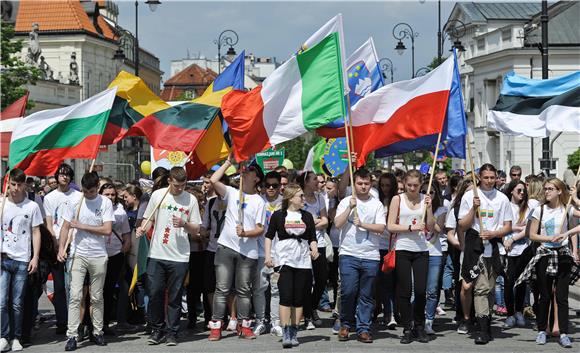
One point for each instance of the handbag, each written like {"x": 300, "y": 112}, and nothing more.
{"x": 389, "y": 258}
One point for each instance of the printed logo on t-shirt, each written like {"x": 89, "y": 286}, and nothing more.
{"x": 486, "y": 213}
{"x": 14, "y": 228}
{"x": 174, "y": 209}
{"x": 218, "y": 212}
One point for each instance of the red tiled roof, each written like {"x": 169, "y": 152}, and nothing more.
{"x": 192, "y": 75}
{"x": 59, "y": 15}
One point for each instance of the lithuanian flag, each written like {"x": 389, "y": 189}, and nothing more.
{"x": 215, "y": 144}
{"x": 139, "y": 112}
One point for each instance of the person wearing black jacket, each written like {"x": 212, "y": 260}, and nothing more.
{"x": 295, "y": 250}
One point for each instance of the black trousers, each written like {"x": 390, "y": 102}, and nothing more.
{"x": 320, "y": 274}
{"x": 411, "y": 271}
{"x": 196, "y": 287}
{"x": 514, "y": 298}
{"x": 113, "y": 276}
{"x": 546, "y": 285}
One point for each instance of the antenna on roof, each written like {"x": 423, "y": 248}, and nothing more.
{"x": 188, "y": 56}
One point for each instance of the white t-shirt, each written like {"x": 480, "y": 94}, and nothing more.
{"x": 385, "y": 238}
{"x": 17, "y": 223}
{"x": 254, "y": 210}
{"x": 168, "y": 242}
{"x": 411, "y": 241}
{"x": 213, "y": 220}
{"x": 495, "y": 209}
{"x": 519, "y": 246}
{"x": 55, "y": 202}
{"x": 356, "y": 241}
{"x": 271, "y": 207}
{"x": 551, "y": 224}
{"x": 93, "y": 212}
{"x": 433, "y": 239}
{"x": 120, "y": 227}
{"x": 315, "y": 210}
{"x": 290, "y": 251}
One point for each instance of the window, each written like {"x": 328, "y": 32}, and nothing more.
{"x": 506, "y": 35}
{"x": 481, "y": 44}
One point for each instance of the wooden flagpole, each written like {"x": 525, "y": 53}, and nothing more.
{"x": 349, "y": 142}
{"x": 475, "y": 193}
{"x": 5, "y": 182}
{"x": 241, "y": 197}
{"x": 432, "y": 174}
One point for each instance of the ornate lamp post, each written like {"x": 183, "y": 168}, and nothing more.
{"x": 226, "y": 38}
{"x": 153, "y": 4}
{"x": 386, "y": 64}
{"x": 455, "y": 29}
{"x": 422, "y": 71}
{"x": 401, "y": 31}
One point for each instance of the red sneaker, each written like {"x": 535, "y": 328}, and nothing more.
{"x": 246, "y": 330}
{"x": 215, "y": 333}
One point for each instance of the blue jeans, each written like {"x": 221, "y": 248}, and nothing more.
{"x": 12, "y": 285}
{"x": 433, "y": 286}
{"x": 358, "y": 278}
{"x": 499, "y": 295}
{"x": 448, "y": 274}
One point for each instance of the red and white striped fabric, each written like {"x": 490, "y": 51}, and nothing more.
{"x": 9, "y": 118}
{"x": 402, "y": 111}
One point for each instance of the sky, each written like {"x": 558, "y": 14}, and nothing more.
{"x": 278, "y": 28}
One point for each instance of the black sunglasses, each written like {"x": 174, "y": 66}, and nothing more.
{"x": 271, "y": 186}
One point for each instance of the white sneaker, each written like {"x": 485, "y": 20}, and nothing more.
{"x": 232, "y": 325}
{"x": 509, "y": 322}
{"x": 520, "y": 320}
{"x": 4, "y": 345}
{"x": 310, "y": 325}
{"x": 16, "y": 346}
{"x": 429, "y": 327}
{"x": 259, "y": 329}
{"x": 440, "y": 311}
{"x": 277, "y": 331}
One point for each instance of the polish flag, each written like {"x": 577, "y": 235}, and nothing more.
{"x": 9, "y": 118}
{"x": 402, "y": 111}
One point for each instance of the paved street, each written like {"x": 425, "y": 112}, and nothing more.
{"x": 321, "y": 340}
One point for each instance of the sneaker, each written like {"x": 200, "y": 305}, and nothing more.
{"x": 286, "y": 337}
{"x": 429, "y": 327}
{"x": 4, "y": 345}
{"x": 407, "y": 337}
{"x": 520, "y": 320}
{"x": 439, "y": 311}
{"x": 325, "y": 309}
{"x": 392, "y": 325}
{"x": 171, "y": 340}
{"x": 463, "y": 329}
{"x": 16, "y": 346}
{"x": 316, "y": 319}
{"x": 156, "y": 338}
{"x": 309, "y": 325}
{"x": 71, "y": 344}
{"x": 246, "y": 331}
{"x": 276, "y": 330}
{"x": 541, "y": 338}
{"x": 564, "y": 341}
{"x": 294, "y": 336}
{"x": 232, "y": 325}
{"x": 343, "y": 334}
{"x": 501, "y": 310}
{"x": 509, "y": 322}
{"x": 215, "y": 330}
{"x": 99, "y": 340}
{"x": 421, "y": 335}
{"x": 336, "y": 327}
{"x": 260, "y": 329}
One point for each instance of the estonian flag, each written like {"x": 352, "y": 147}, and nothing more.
{"x": 534, "y": 108}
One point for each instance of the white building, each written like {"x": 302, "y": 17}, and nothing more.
{"x": 500, "y": 38}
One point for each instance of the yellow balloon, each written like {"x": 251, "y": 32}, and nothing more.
{"x": 231, "y": 170}
{"x": 146, "y": 167}
{"x": 288, "y": 164}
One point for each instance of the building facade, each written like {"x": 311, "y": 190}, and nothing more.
{"x": 74, "y": 43}
{"x": 500, "y": 38}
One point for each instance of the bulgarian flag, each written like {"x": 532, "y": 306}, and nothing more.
{"x": 304, "y": 93}
{"x": 44, "y": 139}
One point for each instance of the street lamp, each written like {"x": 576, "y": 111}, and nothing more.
{"x": 455, "y": 30}
{"x": 422, "y": 71}
{"x": 401, "y": 31}
{"x": 153, "y": 4}
{"x": 225, "y": 38}
{"x": 439, "y": 36}
{"x": 386, "y": 64}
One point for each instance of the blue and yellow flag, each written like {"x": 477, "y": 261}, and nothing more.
{"x": 215, "y": 145}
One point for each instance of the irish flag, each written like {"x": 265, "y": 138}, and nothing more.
{"x": 304, "y": 93}
{"x": 44, "y": 139}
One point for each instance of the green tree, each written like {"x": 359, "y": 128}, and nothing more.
{"x": 574, "y": 160}
{"x": 436, "y": 62}
{"x": 15, "y": 72}
{"x": 297, "y": 149}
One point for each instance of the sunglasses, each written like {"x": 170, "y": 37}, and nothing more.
{"x": 515, "y": 175}
{"x": 271, "y": 186}
{"x": 520, "y": 191}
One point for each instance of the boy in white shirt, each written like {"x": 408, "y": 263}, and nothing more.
{"x": 20, "y": 220}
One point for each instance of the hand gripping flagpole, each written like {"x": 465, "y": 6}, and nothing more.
{"x": 475, "y": 193}
{"x": 432, "y": 174}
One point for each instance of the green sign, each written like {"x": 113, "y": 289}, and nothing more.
{"x": 270, "y": 159}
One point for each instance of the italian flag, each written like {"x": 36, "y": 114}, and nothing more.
{"x": 44, "y": 139}
{"x": 304, "y": 93}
